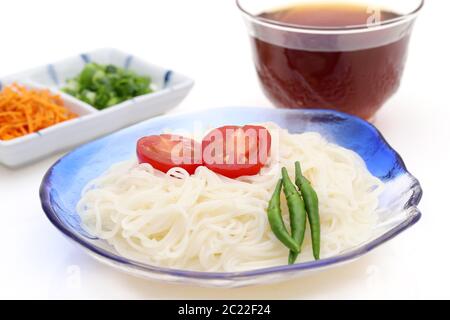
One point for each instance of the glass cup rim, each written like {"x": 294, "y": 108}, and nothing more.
{"x": 331, "y": 30}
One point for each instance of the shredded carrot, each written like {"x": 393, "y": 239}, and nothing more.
{"x": 24, "y": 111}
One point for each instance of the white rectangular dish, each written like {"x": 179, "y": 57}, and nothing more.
{"x": 170, "y": 89}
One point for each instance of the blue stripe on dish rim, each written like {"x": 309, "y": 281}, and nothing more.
{"x": 128, "y": 61}
{"x": 52, "y": 73}
{"x": 167, "y": 78}
{"x": 85, "y": 57}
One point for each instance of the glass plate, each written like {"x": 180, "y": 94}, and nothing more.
{"x": 62, "y": 185}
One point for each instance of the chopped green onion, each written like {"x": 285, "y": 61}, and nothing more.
{"x": 103, "y": 86}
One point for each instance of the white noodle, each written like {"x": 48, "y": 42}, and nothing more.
{"x": 208, "y": 222}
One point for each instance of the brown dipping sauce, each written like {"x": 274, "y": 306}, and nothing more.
{"x": 357, "y": 82}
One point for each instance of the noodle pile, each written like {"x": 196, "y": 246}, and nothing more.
{"x": 208, "y": 222}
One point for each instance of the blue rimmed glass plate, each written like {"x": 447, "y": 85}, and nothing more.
{"x": 62, "y": 185}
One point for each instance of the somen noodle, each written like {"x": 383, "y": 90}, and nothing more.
{"x": 208, "y": 222}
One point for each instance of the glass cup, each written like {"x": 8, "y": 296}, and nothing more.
{"x": 350, "y": 68}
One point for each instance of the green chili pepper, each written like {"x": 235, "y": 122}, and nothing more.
{"x": 312, "y": 208}
{"x": 297, "y": 213}
{"x": 276, "y": 221}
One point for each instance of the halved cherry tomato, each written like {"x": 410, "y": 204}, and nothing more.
{"x": 235, "y": 151}
{"x": 167, "y": 151}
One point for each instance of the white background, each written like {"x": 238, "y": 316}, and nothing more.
{"x": 207, "y": 40}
